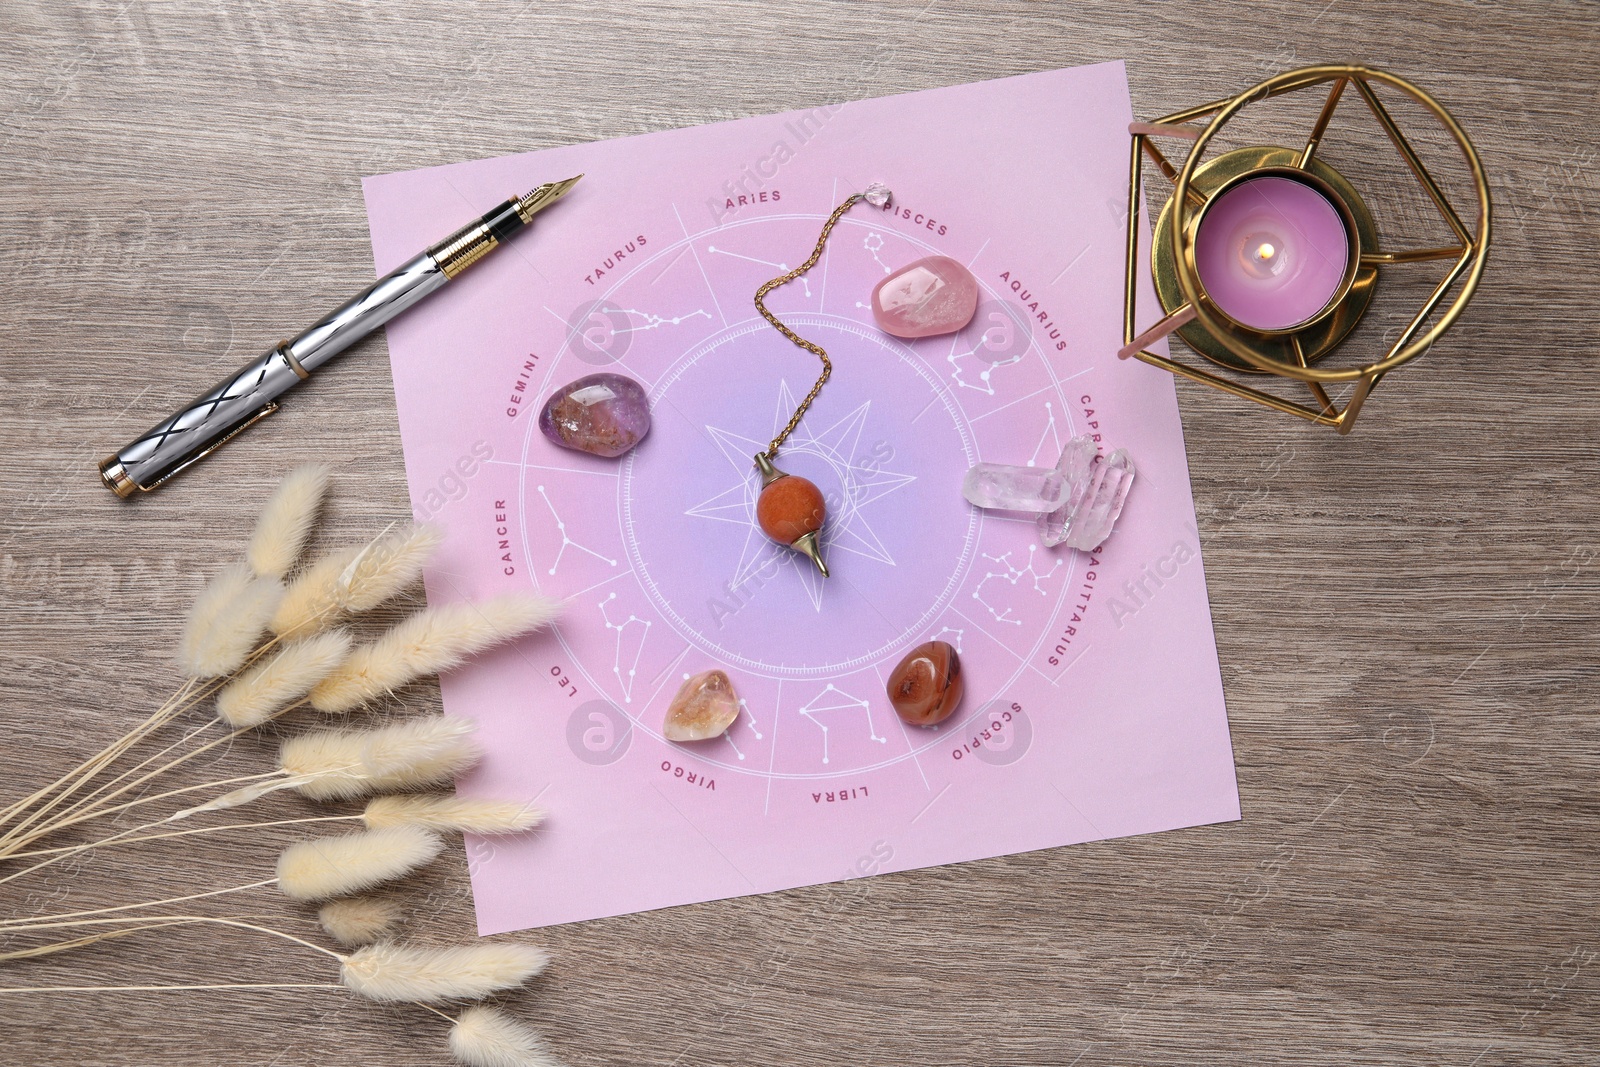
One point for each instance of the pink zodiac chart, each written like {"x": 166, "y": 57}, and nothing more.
{"x": 1093, "y": 704}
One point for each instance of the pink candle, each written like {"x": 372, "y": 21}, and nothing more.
{"x": 1272, "y": 252}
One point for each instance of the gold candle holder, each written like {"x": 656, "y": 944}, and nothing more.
{"x": 1290, "y": 353}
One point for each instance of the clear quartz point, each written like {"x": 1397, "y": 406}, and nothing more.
{"x": 877, "y": 194}
{"x": 1085, "y": 518}
{"x": 1032, "y": 489}
{"x": 1077, "y": 501}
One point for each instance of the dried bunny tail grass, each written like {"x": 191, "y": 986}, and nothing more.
{"x": 326, "y": 867}
{"x": 439, "y": 811}
{"x": 414, "y": 754}
{"x": 390, "y": 563}
{"x": 488, "y": 1037}
{"x": 355, "y": 579}
{"x": 439, "y": 767}
{"x": 263, "y": 690}
{"x": 311, "y": 602}
{"x": 429, "y": 975}
{"x": 227, "y": 617}
{"x": 426, "y": 643}
{"x": 359, "y": 920}
{"x": 285, "y": 523}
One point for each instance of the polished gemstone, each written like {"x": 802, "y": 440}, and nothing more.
{"x": 931, "y": 296}
{"x": 602, "y": 414}
{"x": 705, "y": 707}
{"x": 926, "y": 686}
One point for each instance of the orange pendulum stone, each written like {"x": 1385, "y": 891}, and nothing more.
{"x": 791, "y": 511}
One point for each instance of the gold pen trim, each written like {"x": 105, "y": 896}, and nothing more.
{"x": 463, "y": 248}
{"x": 116, "y": 478}
{"x": 294, "y": 364}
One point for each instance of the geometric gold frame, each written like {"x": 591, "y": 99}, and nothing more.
{"x": 1247, "y": 348}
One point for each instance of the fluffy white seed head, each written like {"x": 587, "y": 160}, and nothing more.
{"x": 359, "y": 920}
{"x": 326, "y": 867}
{"x": 285, "y": 523}
{"x": 429, "y": 975}
{"x": 428, "y": 642}
{"x": 311, "y": 602}
{"x": 440, "y": 811}
{"x": 228, "y": 616}
{"x": 355, "y": 579}
{"x": 412, "y": 754}
{"x": 263, "y": 690}
{"x": 390, "y": 563}
{"x": 488, "y": 1037}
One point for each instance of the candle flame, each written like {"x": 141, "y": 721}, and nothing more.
{"x": 1265, "y": 252}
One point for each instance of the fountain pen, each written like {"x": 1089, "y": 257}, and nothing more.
{"x": 232, "y": 406}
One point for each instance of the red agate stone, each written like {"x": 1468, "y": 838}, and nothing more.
{"x": 926, "y": 686}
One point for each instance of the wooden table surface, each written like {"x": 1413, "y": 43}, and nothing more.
{"x": 1406, "y": 617}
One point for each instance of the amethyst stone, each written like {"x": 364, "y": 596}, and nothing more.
{"x": 602, "y": 414}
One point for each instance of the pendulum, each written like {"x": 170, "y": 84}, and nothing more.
{"x": 791, "y": 510}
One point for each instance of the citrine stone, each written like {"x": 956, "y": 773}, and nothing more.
{"x": 602, "y": 414}
{"x": 926, "y": 686}
{"x": 926, "y": 298}
{"x": 705, "y": 707}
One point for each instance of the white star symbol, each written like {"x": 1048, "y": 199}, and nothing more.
{"x": 862, "y": 480}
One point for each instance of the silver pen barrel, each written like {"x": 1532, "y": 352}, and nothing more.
{"x": 239, "y": 401}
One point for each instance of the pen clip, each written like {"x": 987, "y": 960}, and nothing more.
{"x": 267, "y": 409}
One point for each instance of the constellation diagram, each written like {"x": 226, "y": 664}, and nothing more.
{"x": 781, "y": 268}
{"x": 744, "y": 712}
{"x": 653, "y": 321}
{"x": 1013, "y": 576}
{"x": 949, "y": 630}
{"x": 840, "y": 701}
{"x": 873, "y": 243}
{"x": 1048, "y": 434}
{"x": 625, "y": 678}
{"x": 567, "y": 542}
{"x": 997, "y": 336}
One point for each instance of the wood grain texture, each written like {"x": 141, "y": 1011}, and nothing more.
{"x": 1406, "y": 618}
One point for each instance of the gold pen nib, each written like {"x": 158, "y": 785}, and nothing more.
{"x": 543, "y": 197}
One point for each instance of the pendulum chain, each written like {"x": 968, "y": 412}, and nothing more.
{"x": 815, "y": 349}
{"x": 791, "y": 510}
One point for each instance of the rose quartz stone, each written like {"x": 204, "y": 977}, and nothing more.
{"x": 929, "y": 297}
